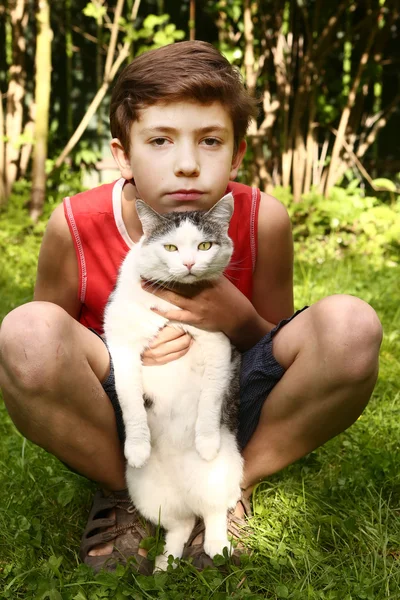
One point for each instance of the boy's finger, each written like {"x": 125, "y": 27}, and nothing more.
{"x": 165, "y": 294}
{"x": 181, "y": 316}
{"x": 152, "y": 362}
{"x": 167, "y": 334}
{"x": 180, "y": 344}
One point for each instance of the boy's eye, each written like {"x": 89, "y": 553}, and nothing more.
{"x": 159, "y": 142}
{"x": 204, "y": 246}
{"x": 211, "y": 142}
{"x": 170, "y": 247}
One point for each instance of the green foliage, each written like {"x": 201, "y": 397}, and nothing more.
{"x": 156, "y": 31}
{"x": 325, "y": 528}
{"x": 385, "y": 184}
{"x": 346, "y": 223}
{"x": 19, "y": 248}
{"x": 95, "y": 10}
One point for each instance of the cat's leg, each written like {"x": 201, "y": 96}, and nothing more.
{"x": 216, "y": 380}
{"x": 128, "y": 383}
{"x": 216, "y": 538}
{"x": 177, "y": 534}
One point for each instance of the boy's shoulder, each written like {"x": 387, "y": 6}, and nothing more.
{"x": 274, "y": 225}
{"x": 272, "y": 211}
{"x": 97, "y": 199}
{"x": 273, "y": 275}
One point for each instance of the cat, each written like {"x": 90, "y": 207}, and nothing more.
{"x": 180, "y": 418}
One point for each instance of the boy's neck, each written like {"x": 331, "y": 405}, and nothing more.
{"x": 129, "y": 214}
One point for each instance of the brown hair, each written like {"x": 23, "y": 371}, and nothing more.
{"x": 181, "y": 71}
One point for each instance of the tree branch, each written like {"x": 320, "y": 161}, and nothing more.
{"x": 346, "y": 112}
{"x": 108, "y": 77}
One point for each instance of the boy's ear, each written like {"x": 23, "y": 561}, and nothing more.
{"x": 237, "y": 160}
{"x": 121, "y": 158}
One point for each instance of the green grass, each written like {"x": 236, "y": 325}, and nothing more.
{"x": 327, "y": 527}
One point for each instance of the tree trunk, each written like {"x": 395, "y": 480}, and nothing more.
{"x": 340, "y": 138}
{"x": 15, "y": 93}
{"x": 3, "y": 197}
{"x": 42, "y": 101}
{"x": 68, "y": 60}
{"x": 192, "y": 20}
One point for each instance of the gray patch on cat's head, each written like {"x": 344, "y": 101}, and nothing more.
{"x": 222, "y": 211}
{"x": 150, "y": 219}
{"x": 213, "y": 222}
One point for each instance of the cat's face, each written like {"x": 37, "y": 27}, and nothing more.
{"x": 185, "y": 247}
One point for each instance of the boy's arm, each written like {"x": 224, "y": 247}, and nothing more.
{"x": 222, "y": 307}
{"x": 272, "y": 298}
{"x": 57, "y": 277}
{"x": 273, "y": 276}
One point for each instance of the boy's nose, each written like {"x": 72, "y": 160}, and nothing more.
{"x": 186, "y": 164}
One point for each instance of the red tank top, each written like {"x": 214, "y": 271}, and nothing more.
{"x": 102, "y": 242}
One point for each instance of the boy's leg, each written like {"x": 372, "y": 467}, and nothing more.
{"x": 330, "y": 353}
{"x": 50, "y": 373}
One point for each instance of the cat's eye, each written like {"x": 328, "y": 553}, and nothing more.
{"x": 170, "y": 247}
{"x": 204, "y": 246}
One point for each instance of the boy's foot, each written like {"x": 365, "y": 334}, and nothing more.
{"x": 237, "y": 529}
{"x": 113, "y": 534}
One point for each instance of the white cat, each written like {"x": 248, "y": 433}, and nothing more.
{"x": 180, "y": 418}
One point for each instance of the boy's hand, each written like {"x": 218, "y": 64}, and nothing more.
{"x": 171, "y": 343}
{"x": 219, "y": 306}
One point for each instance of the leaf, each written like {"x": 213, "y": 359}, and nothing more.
{"x": 219, "y": 560}
{"x": 282, "y": 591}
{"x": 55, "y": 595}
{"x": 80, "y": 596}
{"x": 65, "y": 496}
{"x": 385, "y": 184}
{"x": 92, "y": 9}
{"x": 152, "y": 21}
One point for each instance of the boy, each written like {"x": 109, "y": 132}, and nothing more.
{"x": 178, "y": 119}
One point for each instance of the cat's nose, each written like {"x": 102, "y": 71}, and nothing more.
{"x": 189, "y": 265}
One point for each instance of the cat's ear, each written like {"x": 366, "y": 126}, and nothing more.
{"x": 223, "y": 210}
{"x": 149, "y": 218}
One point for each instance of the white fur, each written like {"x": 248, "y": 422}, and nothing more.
{"x": 180, "y": 462}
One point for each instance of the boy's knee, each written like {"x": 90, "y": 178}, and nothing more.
{"x": 31, "y": 340}
{"x": 351, "y": 334}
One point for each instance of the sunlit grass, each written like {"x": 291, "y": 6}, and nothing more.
{"x": 327, "y": 527}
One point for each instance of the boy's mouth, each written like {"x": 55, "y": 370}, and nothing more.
{"x": 186, "y": 194}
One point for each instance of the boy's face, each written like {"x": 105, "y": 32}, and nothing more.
{"x": 181, "y": 155}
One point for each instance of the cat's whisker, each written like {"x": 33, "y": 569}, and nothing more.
{"x": 233, "y": 268}
{"x": 231, "y": 278}
{"x": 237, "y": 261}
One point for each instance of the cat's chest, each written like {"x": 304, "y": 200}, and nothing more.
{"x": 180, "y": 379}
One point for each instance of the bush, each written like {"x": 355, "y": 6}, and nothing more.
{"x": 345, "y": 223}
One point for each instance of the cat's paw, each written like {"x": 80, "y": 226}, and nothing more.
{"x": 208, "y": 445}
{"x": 214, "y": 547}
{"x": 137, "y": 453}
{"x": 161, "y": 563}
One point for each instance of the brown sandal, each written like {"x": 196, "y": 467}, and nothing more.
{"x": 128, "y": 530}
{"x": 237, "y": 528}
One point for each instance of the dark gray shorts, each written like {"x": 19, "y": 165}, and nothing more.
{"x": 260, "y": 372}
